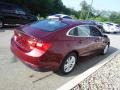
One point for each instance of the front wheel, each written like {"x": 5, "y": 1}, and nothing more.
{"x": 105, "y": 50}
{"x": 69, "y": 63}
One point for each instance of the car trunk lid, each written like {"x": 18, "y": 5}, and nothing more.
{"x": 28, "y": 38}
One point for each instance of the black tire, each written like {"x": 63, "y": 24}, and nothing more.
{"x": 62, "y": 68}
{"x": 1, "y": 24}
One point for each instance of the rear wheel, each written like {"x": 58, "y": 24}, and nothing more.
{"x": 1, "y": 23}
{"x": 69, "y": 63}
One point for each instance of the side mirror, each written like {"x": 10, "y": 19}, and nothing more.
{"x": 105, "y": 36}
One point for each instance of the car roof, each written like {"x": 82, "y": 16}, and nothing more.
{"x": 62, "y": 15}
{"x": 89, "y": 21}
{"x": 77, "y": 22}
{"x": 59, "y": 15}
{"x": 71, "y": 21}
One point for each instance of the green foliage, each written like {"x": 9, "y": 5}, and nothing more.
{"x": 85, "y": 8}
{"x": 115, "y": 17}
{"x": 101, "y": 16}
{"x": 101, "y": 19}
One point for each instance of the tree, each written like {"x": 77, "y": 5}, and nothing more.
{"x": 85, "y": 9}
{"x": 115, "y": 17}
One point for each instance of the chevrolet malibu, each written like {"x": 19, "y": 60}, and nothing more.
{"x": 56, "y": 45}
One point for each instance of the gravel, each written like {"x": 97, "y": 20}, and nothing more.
{"x": 105, "y": 78}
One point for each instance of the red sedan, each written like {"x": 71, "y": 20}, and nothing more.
{"x": 56, "y": 44}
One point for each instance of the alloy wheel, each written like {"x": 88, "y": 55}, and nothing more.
{"x": 105, "y": 49}
{"x": 69, "y": 64}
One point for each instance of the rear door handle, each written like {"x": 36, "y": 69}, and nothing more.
{"x": 96, "y": 40}
{"x": 80, "y": 41}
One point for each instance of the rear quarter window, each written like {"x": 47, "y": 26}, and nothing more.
{"x": 49, "y": 25}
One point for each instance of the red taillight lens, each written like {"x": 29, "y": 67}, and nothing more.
{"x": 31, "y": 43}
{"x": 43, "y": 46}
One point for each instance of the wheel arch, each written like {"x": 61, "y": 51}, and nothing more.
{"x": 73, "y": 51}
{"x": 60, "y": 67}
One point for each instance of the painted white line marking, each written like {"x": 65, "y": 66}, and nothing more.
{"x": 87, "y": 73}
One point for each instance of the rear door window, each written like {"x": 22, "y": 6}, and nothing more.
{"x": 83, "y": 31}
{"x": 74, "y": 31}
{"x": 49, "y": 25}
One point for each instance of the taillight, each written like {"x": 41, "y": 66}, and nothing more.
{"x": 42, "y": 46}
{"x": 31, "y": 43}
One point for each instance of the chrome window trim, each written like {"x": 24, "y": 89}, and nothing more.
{"x": 67, "y": 34}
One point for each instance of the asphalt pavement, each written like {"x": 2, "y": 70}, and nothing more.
{"x": 14, "y": 75}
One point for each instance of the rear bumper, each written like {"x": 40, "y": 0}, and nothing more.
{"x": 32, "y": 59}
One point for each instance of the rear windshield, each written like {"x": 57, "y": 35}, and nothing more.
{"x": 49, "y": 25}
